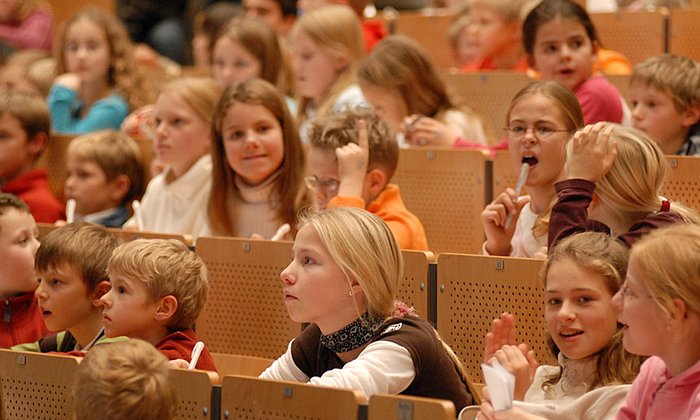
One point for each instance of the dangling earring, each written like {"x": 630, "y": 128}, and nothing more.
{"x": 350, "y": 292}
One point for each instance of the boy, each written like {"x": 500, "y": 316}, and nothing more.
{"x": 158, "y": 289}
{"x": 280, "y": 14}
{"x": 24, "y": 132}
{"x": 105, "y": 173}
{"x": 665, "y": 98}
{"x": 22, "y": 319}
{"x": 126, "y": 380}
{"x": 351, "y": 161}
{"x": 72, "y": 267}
{"x": 495, "y": 32}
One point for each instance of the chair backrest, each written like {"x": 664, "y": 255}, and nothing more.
{"x": 130, "y": 235}
{"x": 194, "y": 391}
{"x": 684, "y": 33}
{"x": 36, "y": 385}
{"x": 622, "y": 83}
{"x": 445, "y": 188}
{"x": 404, "y": 407}
{"x": 429, "y": 29}
{"x": 502, "y": 173}
{"x": 683, "y": 181}
{"x": 636, "y": 34}
{"x": 238, "y": 364}
{"x": 54, "y": 160}
{"x": 475, "y": 289}
{"x": 413, "y": 290}
{"x": 252, "y": 398}
{"x": 488, "y": 94}
{"x": 245, "y": 311}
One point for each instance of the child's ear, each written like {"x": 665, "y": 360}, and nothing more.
{"x": 375, "y": 182}
{"x": 100, "y": 290}
{"x": 166, "y": 308}
{"x": 341, "y": 62}
{"x": 691, "y": 115}
{"x": 37, "y": 143}
{"x": 120, "y": 187}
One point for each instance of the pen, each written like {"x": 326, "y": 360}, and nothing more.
{"x": 196, "y": 352}
{"x": 283, "y": 230}
{"x": 518, "y": 188}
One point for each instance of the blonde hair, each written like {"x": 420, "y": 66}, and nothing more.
{"x": 116, "y": 154}
{"x": 675, "y": 75}
{"x": 335, "y": 29}
{"x": 11, "y": 201}
{"x": 166, "y": 267}
{"x": 33, "y": 65}
{"x": 337, "y": 130}
{"x": 84, "y": 247}
{"x": 669, "y": 265}
{"x": 568, "y": 106}
{"x": 607, "y": 258}
{"x": 632, "y": 187}
{"x": 123, "y": 75}
{"x": 261, "y": 41}
{"x": 199, "y": 93}
{"x": 124, "y": 380}
{"x": 30, "y": 110}
{"x": 289, "y": 195}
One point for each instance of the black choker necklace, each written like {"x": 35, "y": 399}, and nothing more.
{"x": 353, "y": 335}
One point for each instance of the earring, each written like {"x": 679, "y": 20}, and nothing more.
{"x": 350, "y": 292}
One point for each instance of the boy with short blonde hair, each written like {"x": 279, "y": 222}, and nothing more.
{"x": 25, "y": 120}
{"x": 665, "y": 99}
{"x": 352, "y": 157}
{"x": 105, "y": 173}
{"x": 158, "y": 289}
{"x": 127, "y": 380}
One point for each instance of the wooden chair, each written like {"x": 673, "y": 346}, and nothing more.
{"x": 194, "y": 391}
{"x": 429, "y": 29}
{"x": 488, "y": 94}
{"x": 252, "y": 398}
{"x": 475, "y": 289}
{"x": 245, "y": 311}
{"x": 237, "y": 364}
{"x": 683, "y": 33}
{"x": 413, "y": 290}
{"x": 636, "y": 34}
{"x": 445, "y": 188}
{"x": 36, "y": 386}
{"x": 54, "y": 160}
{"x": 622, "y": 83}
{"x": 129, "y": 235}
{"x": 63, "y": 10}
{"x": 404, "y": 407}
{"x": 503, "y": 175}
{"x": 683, "y": 180}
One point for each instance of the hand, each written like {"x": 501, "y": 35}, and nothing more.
{"x": 179, "y": 364}
{"x": 502, "y": 334}
{"x": 71, "y": 81}
{"x": 520, "y": 361}
{"x": 592, "y": 152}
{"x": 353, "y": 160}
{"x": 494, "y": 217}
{"x": 426, "y": 131}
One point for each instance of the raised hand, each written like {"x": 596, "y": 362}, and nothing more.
{"x": 353, "y": 160}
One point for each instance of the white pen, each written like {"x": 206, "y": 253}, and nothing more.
{"x": 196, "y": 352}
{"x": 70, "y": 210}
{"x": 136, "y": 205}
{"x": 518, "y": 188}
{"x": 283, "y": 230}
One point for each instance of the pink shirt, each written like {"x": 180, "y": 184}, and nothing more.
{"x": 600, "y": 100}
{"x": 657, "y": 395}
{"x": 34, "y": 31}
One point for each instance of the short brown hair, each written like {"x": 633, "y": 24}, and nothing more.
{"x": 85, "y": 247}
{"x": 11, "y": 201}
{"x": 124, "y": 380}
{"x": 337, "y": 130}
{"x": 30, "y": 110}
{"x": 167, "y": 267}
{"x": 675, "y": 75}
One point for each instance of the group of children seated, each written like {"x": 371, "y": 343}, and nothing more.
{"x": 314, "y": 145}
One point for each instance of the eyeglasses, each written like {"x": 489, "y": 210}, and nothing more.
{"x": 327, "y": 185}
{"x": 539, "y": 131}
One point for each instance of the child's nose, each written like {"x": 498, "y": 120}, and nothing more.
{"x": 286, "y": 274}
{"x": 566, "y": 312}
{"x": 39, "y": 293}
{"x": 105, "y": 300}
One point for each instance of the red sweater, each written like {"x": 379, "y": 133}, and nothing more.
{"x": 21, "y": 321}
{"x": 33, "y": 189}
{"x": 179, "y": 345}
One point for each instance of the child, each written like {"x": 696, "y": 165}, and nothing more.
{"x": 26, "y": 24}
{"x": 400, "y": 83}
{"x": 463, "y": 46}
{"x": 614, "y": 177}
{"x": 326, "y": 47}
{"x": 175, "y": 200}
{"x": 158, "y": 289}
{"x": 280, "y": 14}
{"x": 127, "y": 380}
{"x": 659, "y": 306}
{"x": 105, "y": 173}
{"x": 560, "y": 42}
{"x": 540, "y": 120}
{"x": 665, "y": 102}
{"x": 22, "y": 321}
{"x": 249, "y": 48}
{"x": 71, "y": 264}
{"x": 23, "y": 70}
{"x": 495, "y": 32}
{"x": 208, "y": 25}
{"x": 351, "y": 161}
{"x": 580, "y": 276}
{"x": 259, "y": 163}
{"x": 24, "y": 119}
{"x": 97, "y": 82}
{"x": 343, "y": 279}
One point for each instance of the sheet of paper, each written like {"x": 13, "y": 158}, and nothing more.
{"x": 501, "y": 385}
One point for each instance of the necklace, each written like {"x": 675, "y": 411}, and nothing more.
{"x": 353, "y": 335}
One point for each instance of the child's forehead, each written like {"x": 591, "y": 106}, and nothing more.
{"x": 63, "y": 269}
